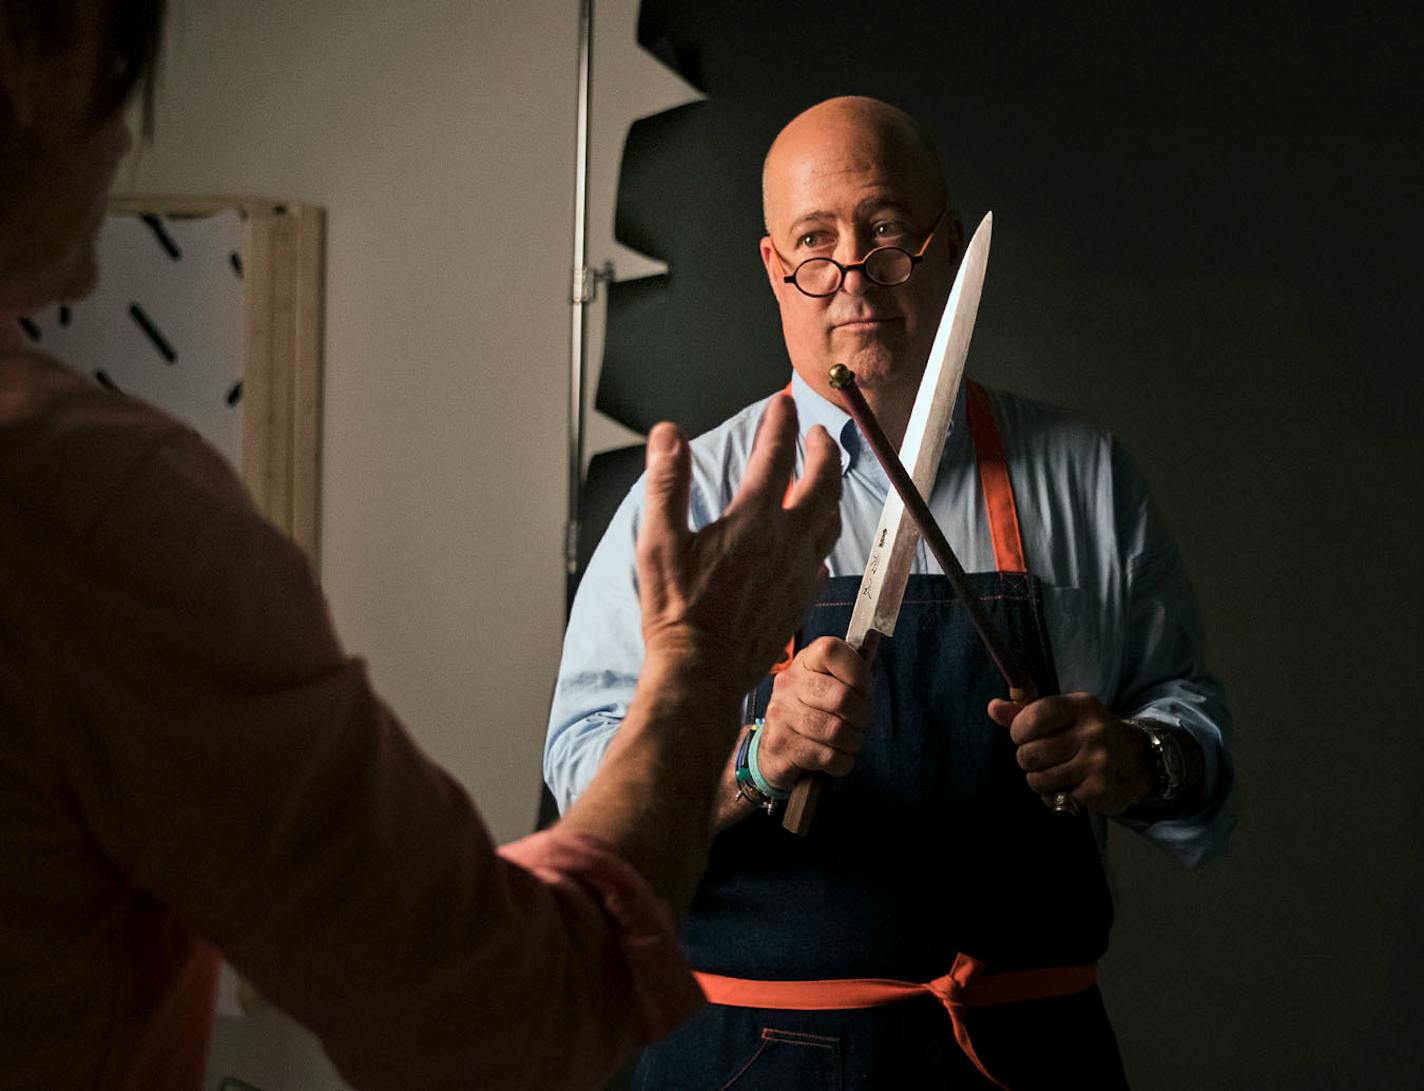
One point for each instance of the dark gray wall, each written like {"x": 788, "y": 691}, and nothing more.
{"x": 1207, "y": 237}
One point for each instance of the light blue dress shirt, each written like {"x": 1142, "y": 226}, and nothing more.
{"x": 1118, "y": 607}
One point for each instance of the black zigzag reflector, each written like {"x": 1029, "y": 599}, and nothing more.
{"x": 700, "y": 342}
{"x": 1110, "y": 140}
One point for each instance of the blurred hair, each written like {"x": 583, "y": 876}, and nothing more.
{"x": 130, "y": 34}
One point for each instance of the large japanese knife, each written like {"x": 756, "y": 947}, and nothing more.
{"x": 892, "y": 550}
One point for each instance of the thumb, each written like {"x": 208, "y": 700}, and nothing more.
{"x": 1003, "y": 712}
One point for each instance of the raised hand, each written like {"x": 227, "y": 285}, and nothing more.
{"x": 731, "y": 594}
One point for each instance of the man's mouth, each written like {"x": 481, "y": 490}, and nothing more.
{"x": 864, "y": 323}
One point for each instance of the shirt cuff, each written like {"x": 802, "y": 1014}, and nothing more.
{"x": 1202, "y": 832}
{"x": 664, "y": 989}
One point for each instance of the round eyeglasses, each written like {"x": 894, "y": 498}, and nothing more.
{"x": 886, "y": 266}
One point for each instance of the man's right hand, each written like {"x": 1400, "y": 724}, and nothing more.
{"x": 725, "y": 599}
{"x": 818, "y": 713}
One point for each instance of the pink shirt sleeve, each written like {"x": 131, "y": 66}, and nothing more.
{"x": 664, "y": 989}
{"x": 233, "y": 764}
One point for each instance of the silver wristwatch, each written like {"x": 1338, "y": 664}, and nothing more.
{"x": 1169, "y": 767}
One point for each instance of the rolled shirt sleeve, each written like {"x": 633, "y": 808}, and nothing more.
{"x": 602, "y": 658}
{"x": 1164, "y": 675}
{"x": 576, "y": 865}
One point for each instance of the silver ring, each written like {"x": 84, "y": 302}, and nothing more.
{"x": 1063, "y": 803}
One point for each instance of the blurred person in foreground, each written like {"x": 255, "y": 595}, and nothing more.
{"x": 191, "y": 764}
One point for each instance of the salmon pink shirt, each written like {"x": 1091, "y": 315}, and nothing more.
{"x": 190, "y": 764}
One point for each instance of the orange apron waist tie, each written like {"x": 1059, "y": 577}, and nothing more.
{"x": 967, "y": 985}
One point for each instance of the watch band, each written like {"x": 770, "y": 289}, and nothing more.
{"x": 1168, "y": 763}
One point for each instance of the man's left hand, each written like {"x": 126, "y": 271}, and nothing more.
{"x": 1073, "y": 744}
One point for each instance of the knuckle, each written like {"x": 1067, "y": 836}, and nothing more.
{"x": 789, "y": 683}
{"x": 826, "y": 692}
{"x": 832, "y": 731}
{"x": 809, "y": 726}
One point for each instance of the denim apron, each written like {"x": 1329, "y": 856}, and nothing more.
{"x": 931, "y": 865}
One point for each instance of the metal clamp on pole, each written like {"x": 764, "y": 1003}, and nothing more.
{"x": 586, "y": 281}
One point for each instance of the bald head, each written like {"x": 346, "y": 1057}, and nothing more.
{"x": 848, "y": 177}
{"x": 843, "y": 133}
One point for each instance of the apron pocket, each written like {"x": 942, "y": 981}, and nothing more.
{"x": 789, "y": 1058}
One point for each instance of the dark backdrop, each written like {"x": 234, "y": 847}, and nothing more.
{"x": 1206, "y": 236}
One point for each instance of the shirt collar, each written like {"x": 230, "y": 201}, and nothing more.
{"x": 812, "y": 409}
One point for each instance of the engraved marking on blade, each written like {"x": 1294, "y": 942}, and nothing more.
{"x": 874, "y": 564}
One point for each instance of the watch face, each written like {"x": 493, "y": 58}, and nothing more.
{"x": 1172, "y": 750}
{"x": 1167, "y": 754}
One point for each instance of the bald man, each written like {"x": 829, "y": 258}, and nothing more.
{"x": 940, "y": 919}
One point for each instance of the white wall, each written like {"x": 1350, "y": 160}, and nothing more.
{"x": 439, "y": 136}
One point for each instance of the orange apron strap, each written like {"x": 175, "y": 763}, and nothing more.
{"x": 967, "y": 985}
{"x": 790, "y": 653}
{"x": 994, "y": 478}
{"x": 841, "y": 994}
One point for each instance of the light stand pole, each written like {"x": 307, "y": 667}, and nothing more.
{"x": 583, "y": 291}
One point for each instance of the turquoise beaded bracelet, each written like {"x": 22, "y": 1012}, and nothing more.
{"x": 751, "y": 785}
{"x": 763, "y": 785}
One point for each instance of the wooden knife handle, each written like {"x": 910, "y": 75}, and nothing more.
{"x": 806, "y": 794}
{"x": 801, "y": 807}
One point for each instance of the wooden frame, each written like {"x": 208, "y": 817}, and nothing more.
{"x": 281, "y": 421}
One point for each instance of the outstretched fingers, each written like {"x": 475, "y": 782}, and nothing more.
{"x": 668, "y": 485}
{"x": 815, "y": 497}
{"x": 772, "y": 459}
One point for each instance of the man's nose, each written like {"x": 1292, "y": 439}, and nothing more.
{"x": 854, "y": 282}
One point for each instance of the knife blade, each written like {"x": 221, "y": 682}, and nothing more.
{"x": 892, "y": 551}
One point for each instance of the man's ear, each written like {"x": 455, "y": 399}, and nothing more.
{"x": 769, "y": 262}
{"x": 956, "y": 233}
